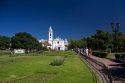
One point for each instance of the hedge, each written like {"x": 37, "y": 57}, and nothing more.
{"x": 100, "y": 54}
{"x": 120, "y": 57}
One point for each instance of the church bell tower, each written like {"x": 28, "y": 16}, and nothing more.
{"x": 50, "y": 39}
{"x": 50, "y": 34}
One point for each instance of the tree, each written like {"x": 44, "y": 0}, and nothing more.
{"x": 77, "y": 44}
{"x": 101, "y": 40}
{"x": 121, "y": 41}
{"x": 25, "y": 40}
{"x": 4, "y": 42}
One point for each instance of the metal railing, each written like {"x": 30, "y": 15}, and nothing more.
{"x": 98, "y": 67}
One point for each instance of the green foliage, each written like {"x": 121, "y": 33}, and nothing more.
{"x": 120, "y": 57}
{"x": 100, "y": 54}
{"x": 25, "y": 41}
{"x": 58, "y": 61}
{"x": 101, "y": 40}
{"x": 44, "y": 48}
{"x": 76, "y": 44}
{"x": 4, "y": 42}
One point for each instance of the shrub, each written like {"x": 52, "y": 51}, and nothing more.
{"x": 100, "y": 54}
{"x": 57, "y": 61}
{"x": 117, "y": 56}
{"x": 120, "y": 57}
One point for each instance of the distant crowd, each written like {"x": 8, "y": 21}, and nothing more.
{"x": 85, "y": 51}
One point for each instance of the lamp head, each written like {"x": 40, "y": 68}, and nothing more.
{"x": 115, "y": 26}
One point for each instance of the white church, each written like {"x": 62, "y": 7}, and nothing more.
{"x": 54, "y": 44}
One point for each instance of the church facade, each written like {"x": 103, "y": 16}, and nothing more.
{"x": 55, "y": 44}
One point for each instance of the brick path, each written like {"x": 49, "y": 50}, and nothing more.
{"x": 117, "y": 69}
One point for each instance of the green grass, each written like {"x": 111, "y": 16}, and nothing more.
{"x": 111, "y": 56}
{"x": 36, "y": 69}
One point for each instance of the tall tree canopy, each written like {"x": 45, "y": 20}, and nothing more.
{"x": 4, "y": 42}
{"x": 101, "y": 40}
{"x": 24, "y": 40}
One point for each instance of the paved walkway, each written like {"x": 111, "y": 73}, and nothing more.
{"x": 117, "y": 69}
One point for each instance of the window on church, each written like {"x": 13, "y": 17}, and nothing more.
{"x": 50, "y": 34}
{"x": 58, "y": 42}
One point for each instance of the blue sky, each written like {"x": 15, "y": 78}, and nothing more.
{"x": 72, "y": 19}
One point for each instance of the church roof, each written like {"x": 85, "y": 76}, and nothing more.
{"x": 50, "y": 29}
{"x": 58, "y": 39}
{"x": 42, "y": 40}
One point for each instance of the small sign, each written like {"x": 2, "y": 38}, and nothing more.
{"x": 19, "y": 51}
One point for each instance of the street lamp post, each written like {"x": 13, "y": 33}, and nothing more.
{"x": 115, "y": 29}
{"x": 10, "y": 44}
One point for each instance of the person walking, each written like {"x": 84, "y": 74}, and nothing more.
{"x": 86, "y": 51}
{"x": 89, "y": 51}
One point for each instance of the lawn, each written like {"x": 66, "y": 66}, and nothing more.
{"x": 36, "y": 69}
{"x": 111, "y": 56}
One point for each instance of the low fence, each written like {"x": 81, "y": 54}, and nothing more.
{"x": 98, "y": 67}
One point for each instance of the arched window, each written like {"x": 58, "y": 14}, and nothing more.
{"x": 58, "y": 42}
